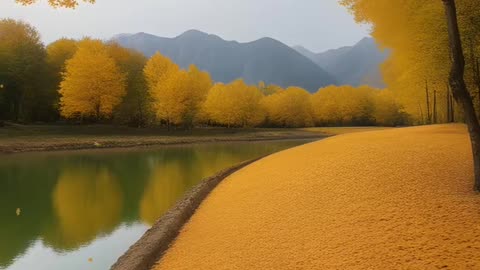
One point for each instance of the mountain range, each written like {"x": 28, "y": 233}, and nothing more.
{"x": 352, "y": 65}
{"x": 266, "y": 59}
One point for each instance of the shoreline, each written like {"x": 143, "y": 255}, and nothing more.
{"x": 111, "y": 144}
{"x": 153, "y": 244}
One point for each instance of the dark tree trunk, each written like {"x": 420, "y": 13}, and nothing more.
{"x": 452, "y": 107}
{"x": 429, "y": 117}
{"x": 434, "y": 106}
{"x": 421, "y": 113}
{"x": 451, "y": 104}
{"x": 459, "y": 89}
{"x": 449, "y": 119}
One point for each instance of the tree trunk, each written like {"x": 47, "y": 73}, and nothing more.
{"x": 429, "y": 117}
{"x": 459, "y": 89}
{"x": 449, "y": 119}
{"x": 421, "y": 112}
{"x": 434, "y": 106}
{"x": 451, "y": 115}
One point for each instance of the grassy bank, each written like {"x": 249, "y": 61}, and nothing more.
{"x": 26, "y": 138}
{"x": 396, "y": 199}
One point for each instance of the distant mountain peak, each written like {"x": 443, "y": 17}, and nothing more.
{"x": 194, "y": 33}
{"x": 122, "y": 35}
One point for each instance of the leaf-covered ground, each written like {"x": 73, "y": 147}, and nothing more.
{"x": 394, "y": 199}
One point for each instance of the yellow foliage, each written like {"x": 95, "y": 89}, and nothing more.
{"x": 199, "y": 83}
{"x": 234, "y": 104}
{"x": 347, "y": 105}
{"x": 157, "y": 69}
{"x": 388, "y": 111}
{"x": 177, "y": 94}
{"x": 170, "y": 97}
{"x": 87, "y": 203}
{"x": 166, "y": 186}
{"x": 340, "y": 105}
{"x": 57, "y": 3}
{"x": 92, "y": 83}
{"x": 416, "y": 31}
{"x": 289, "y": 108}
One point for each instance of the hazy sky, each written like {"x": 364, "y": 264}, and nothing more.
{"x": 316, "y": 24}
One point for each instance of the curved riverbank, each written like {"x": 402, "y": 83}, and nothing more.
{"x": 19, "y": 138}
{"x": 146, "y": 251}
{"x": 392, "y": 199}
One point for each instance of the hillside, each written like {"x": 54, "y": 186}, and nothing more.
{"x": 265, "y": 59}
{"x": 351, "y": 65}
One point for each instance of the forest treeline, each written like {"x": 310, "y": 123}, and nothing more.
{"x": 86, "y": 81}
{"x": 418, "y": 69}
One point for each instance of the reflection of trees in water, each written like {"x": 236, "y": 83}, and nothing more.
{"x": 87, "y": 202}
{"x": 70, "y": 200}
{"x": 167, "y": 184}
{"x": 175, "y": 170}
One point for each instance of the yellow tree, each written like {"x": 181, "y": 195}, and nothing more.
{"x": 289, "y": 108}
{"x": 171, "y": 97}
{"x": 157, "y": 69}
{"x": 199, "y": 83}
{"x": 58, "y": 53}
{"x": 234, "y": 104}
{"x": 168, "y": 87}
{"x": 418, "y": 69}
{"x": 388, "y": 111}
{"x": 92, "y": 85}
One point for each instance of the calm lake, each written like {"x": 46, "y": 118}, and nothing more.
{"x": 73, "y": 206}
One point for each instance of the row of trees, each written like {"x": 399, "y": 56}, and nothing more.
{"x": 90, "y": 80}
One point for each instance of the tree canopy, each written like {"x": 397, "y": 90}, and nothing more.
{"x": 57, "y": 3}
{"x": 92, "y": 84}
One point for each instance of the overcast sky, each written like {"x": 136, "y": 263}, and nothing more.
{"x": 316, "y": 24}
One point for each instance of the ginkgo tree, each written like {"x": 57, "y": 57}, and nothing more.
{"x": 93, "y": 84}
{"x": 234, "y": 105}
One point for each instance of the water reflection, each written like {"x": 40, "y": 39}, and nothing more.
{"x": 87, "y": 202}
{"x": 99, "y": 202}
{"x": 166, "y": 185}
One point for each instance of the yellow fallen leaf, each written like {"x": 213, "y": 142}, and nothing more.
{"x": 18, "y": 211}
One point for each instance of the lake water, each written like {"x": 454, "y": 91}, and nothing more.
{"x": 82, "y": 210}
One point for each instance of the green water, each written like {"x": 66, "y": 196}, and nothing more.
{"x": 91, "y": 204}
